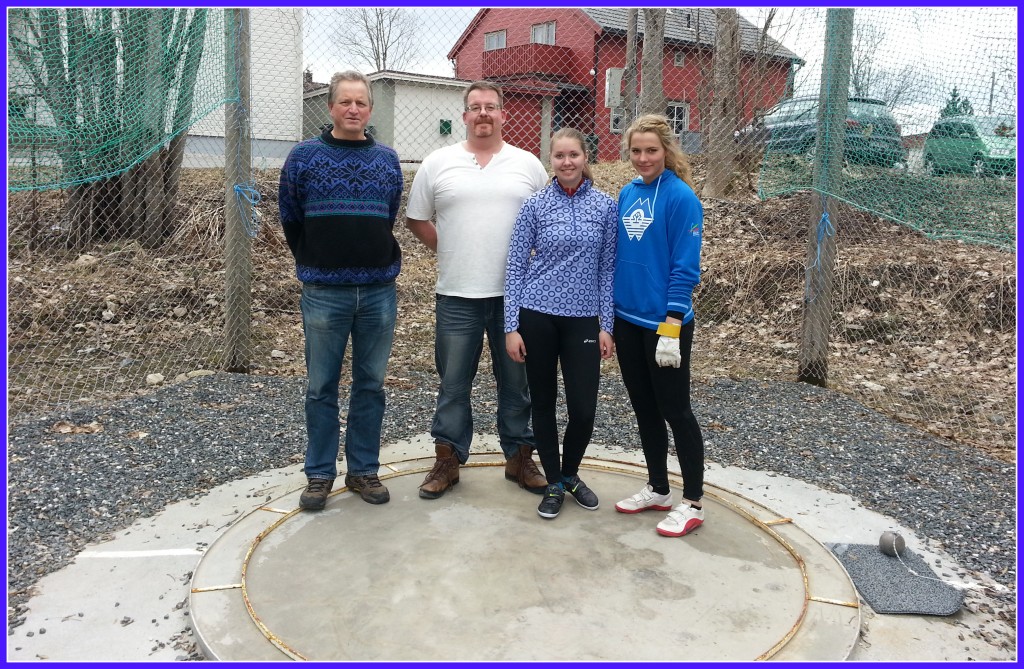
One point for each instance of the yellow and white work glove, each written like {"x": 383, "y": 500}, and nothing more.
{"x": 666, "y": 353}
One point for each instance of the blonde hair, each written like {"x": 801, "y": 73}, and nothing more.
{"x": 573, "y": 133}
{"x": 675, "y": 159}
{"x": 349, "y": 75}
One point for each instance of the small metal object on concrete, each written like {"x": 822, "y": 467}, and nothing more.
{"x": 476, "y": 575}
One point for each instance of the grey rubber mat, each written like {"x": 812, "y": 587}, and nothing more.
{"x": 888, "y": 585}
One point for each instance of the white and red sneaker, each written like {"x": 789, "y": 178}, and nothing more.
{"x": 645, "y": 500}
{"x": 681, "y": 520}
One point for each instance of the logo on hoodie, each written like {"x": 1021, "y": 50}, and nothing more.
{"x": 637, "y": 218}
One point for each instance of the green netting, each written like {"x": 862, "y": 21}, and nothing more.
{"x": 94, "y": 92}
{"x": 926, "y": 136}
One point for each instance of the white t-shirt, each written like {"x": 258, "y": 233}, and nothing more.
{"x": 476, "y": 210}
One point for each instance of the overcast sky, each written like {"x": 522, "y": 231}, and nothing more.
{"x": 970, "y": 48}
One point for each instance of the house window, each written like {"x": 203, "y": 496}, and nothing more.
{"x": 678, "y": 114}
{"x": 679, "y": 59}
{"x": 543, "y": 33}
{"x": 616, "y": 115}
{"x": 495, "y": 40}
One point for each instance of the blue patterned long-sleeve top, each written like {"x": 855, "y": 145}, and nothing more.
{"x": 338, "y": 201}
{"x": 561, "y": 259}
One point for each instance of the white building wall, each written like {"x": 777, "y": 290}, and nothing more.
{"x": 276, "y": 78}
{"x": 418, "y": 111}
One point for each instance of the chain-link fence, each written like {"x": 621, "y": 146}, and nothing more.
{"x": 857, "y": 168}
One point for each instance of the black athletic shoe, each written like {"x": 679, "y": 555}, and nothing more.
{"x": 585, "y": 497}
{"x": 549, "y": 507}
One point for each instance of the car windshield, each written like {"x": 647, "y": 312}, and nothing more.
{"x": 868, "y": 110}
{"x": 997, "y": 126}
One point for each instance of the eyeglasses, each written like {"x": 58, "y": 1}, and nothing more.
{"x": 476, "y": 109}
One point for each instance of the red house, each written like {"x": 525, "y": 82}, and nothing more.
{"x": 563, "y": 67}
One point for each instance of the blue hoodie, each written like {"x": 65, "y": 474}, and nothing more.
{"x": 658, "y": 262}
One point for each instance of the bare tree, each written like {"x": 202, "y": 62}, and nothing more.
{"x": 755, "y": 89}
{"x": 1002, "y": 52}
{"x": 869, "y": 78}
{"x": 652, "y": 93}
{"x": 629, "y": 74}
{"x": 757, "y": 94}
{"x": 705, "y": 87}
{"x": 384, "y": 38}
{"x": 725, "y": 113}
{"x": 119, "y": 86}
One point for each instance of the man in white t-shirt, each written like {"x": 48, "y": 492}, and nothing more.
{"x": 475, "y": 189}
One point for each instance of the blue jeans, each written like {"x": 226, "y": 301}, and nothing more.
{"x": 329, "y": 315}
{"x": 460, "y": 326}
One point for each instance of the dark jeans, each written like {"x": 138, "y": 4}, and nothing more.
{"x": 660, "y": 394}
{"x": 458, "y": 343}
{"x": 551, "y": 340}
{"x": 330, "y": 314}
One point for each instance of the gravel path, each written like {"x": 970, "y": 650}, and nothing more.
{"x": 68, "y": 489}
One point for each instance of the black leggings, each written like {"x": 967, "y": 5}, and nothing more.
{"x": 660, "y": 394}
{"x": 573, "y": 342}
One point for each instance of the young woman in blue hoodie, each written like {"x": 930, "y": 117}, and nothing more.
{"x": 558, "y": 308}
{"x": 657, "y": 267}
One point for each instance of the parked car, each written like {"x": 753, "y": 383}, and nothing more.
{"x": 976, "y": 145}
{"x": 872, "y": 133}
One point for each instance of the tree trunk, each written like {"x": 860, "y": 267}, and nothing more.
{"x": 151, "y": 174}
{"x": 705, "y": 88}
{"x": 725, "y": 115}
{"x": 652, "y": 93}
{"x": 193, "y": 53}
{"x": 629, "y": 74}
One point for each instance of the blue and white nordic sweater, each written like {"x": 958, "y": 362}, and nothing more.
{"x": 561, "y": 258}
{"x": 338, "y": 201}
{"x": 658, "y": 261}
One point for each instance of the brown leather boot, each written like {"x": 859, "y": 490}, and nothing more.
{"x": 523, "y": 470}
{"x": 443, "y": 475}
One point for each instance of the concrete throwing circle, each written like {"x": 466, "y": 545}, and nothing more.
{"x": 478, "y": 575}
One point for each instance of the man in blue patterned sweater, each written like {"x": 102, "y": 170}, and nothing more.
{"x": 339, "y": 196}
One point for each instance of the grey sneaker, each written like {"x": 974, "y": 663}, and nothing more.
{"x": 369, "y": 488}
{"x": 549, "y": 507}
{"x": 585, "y": 497}
{"x": 314, "y": 497}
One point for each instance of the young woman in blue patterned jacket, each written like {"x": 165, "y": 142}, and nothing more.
{"x": 558, "y": 308}
{"x": 657, "y": 268}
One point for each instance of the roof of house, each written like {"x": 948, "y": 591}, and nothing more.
{"x": 392, "y": 75}
{"x": 308, "y": 86}
{"x": 417, "y": 78}
{"x": 614, "y": 19}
